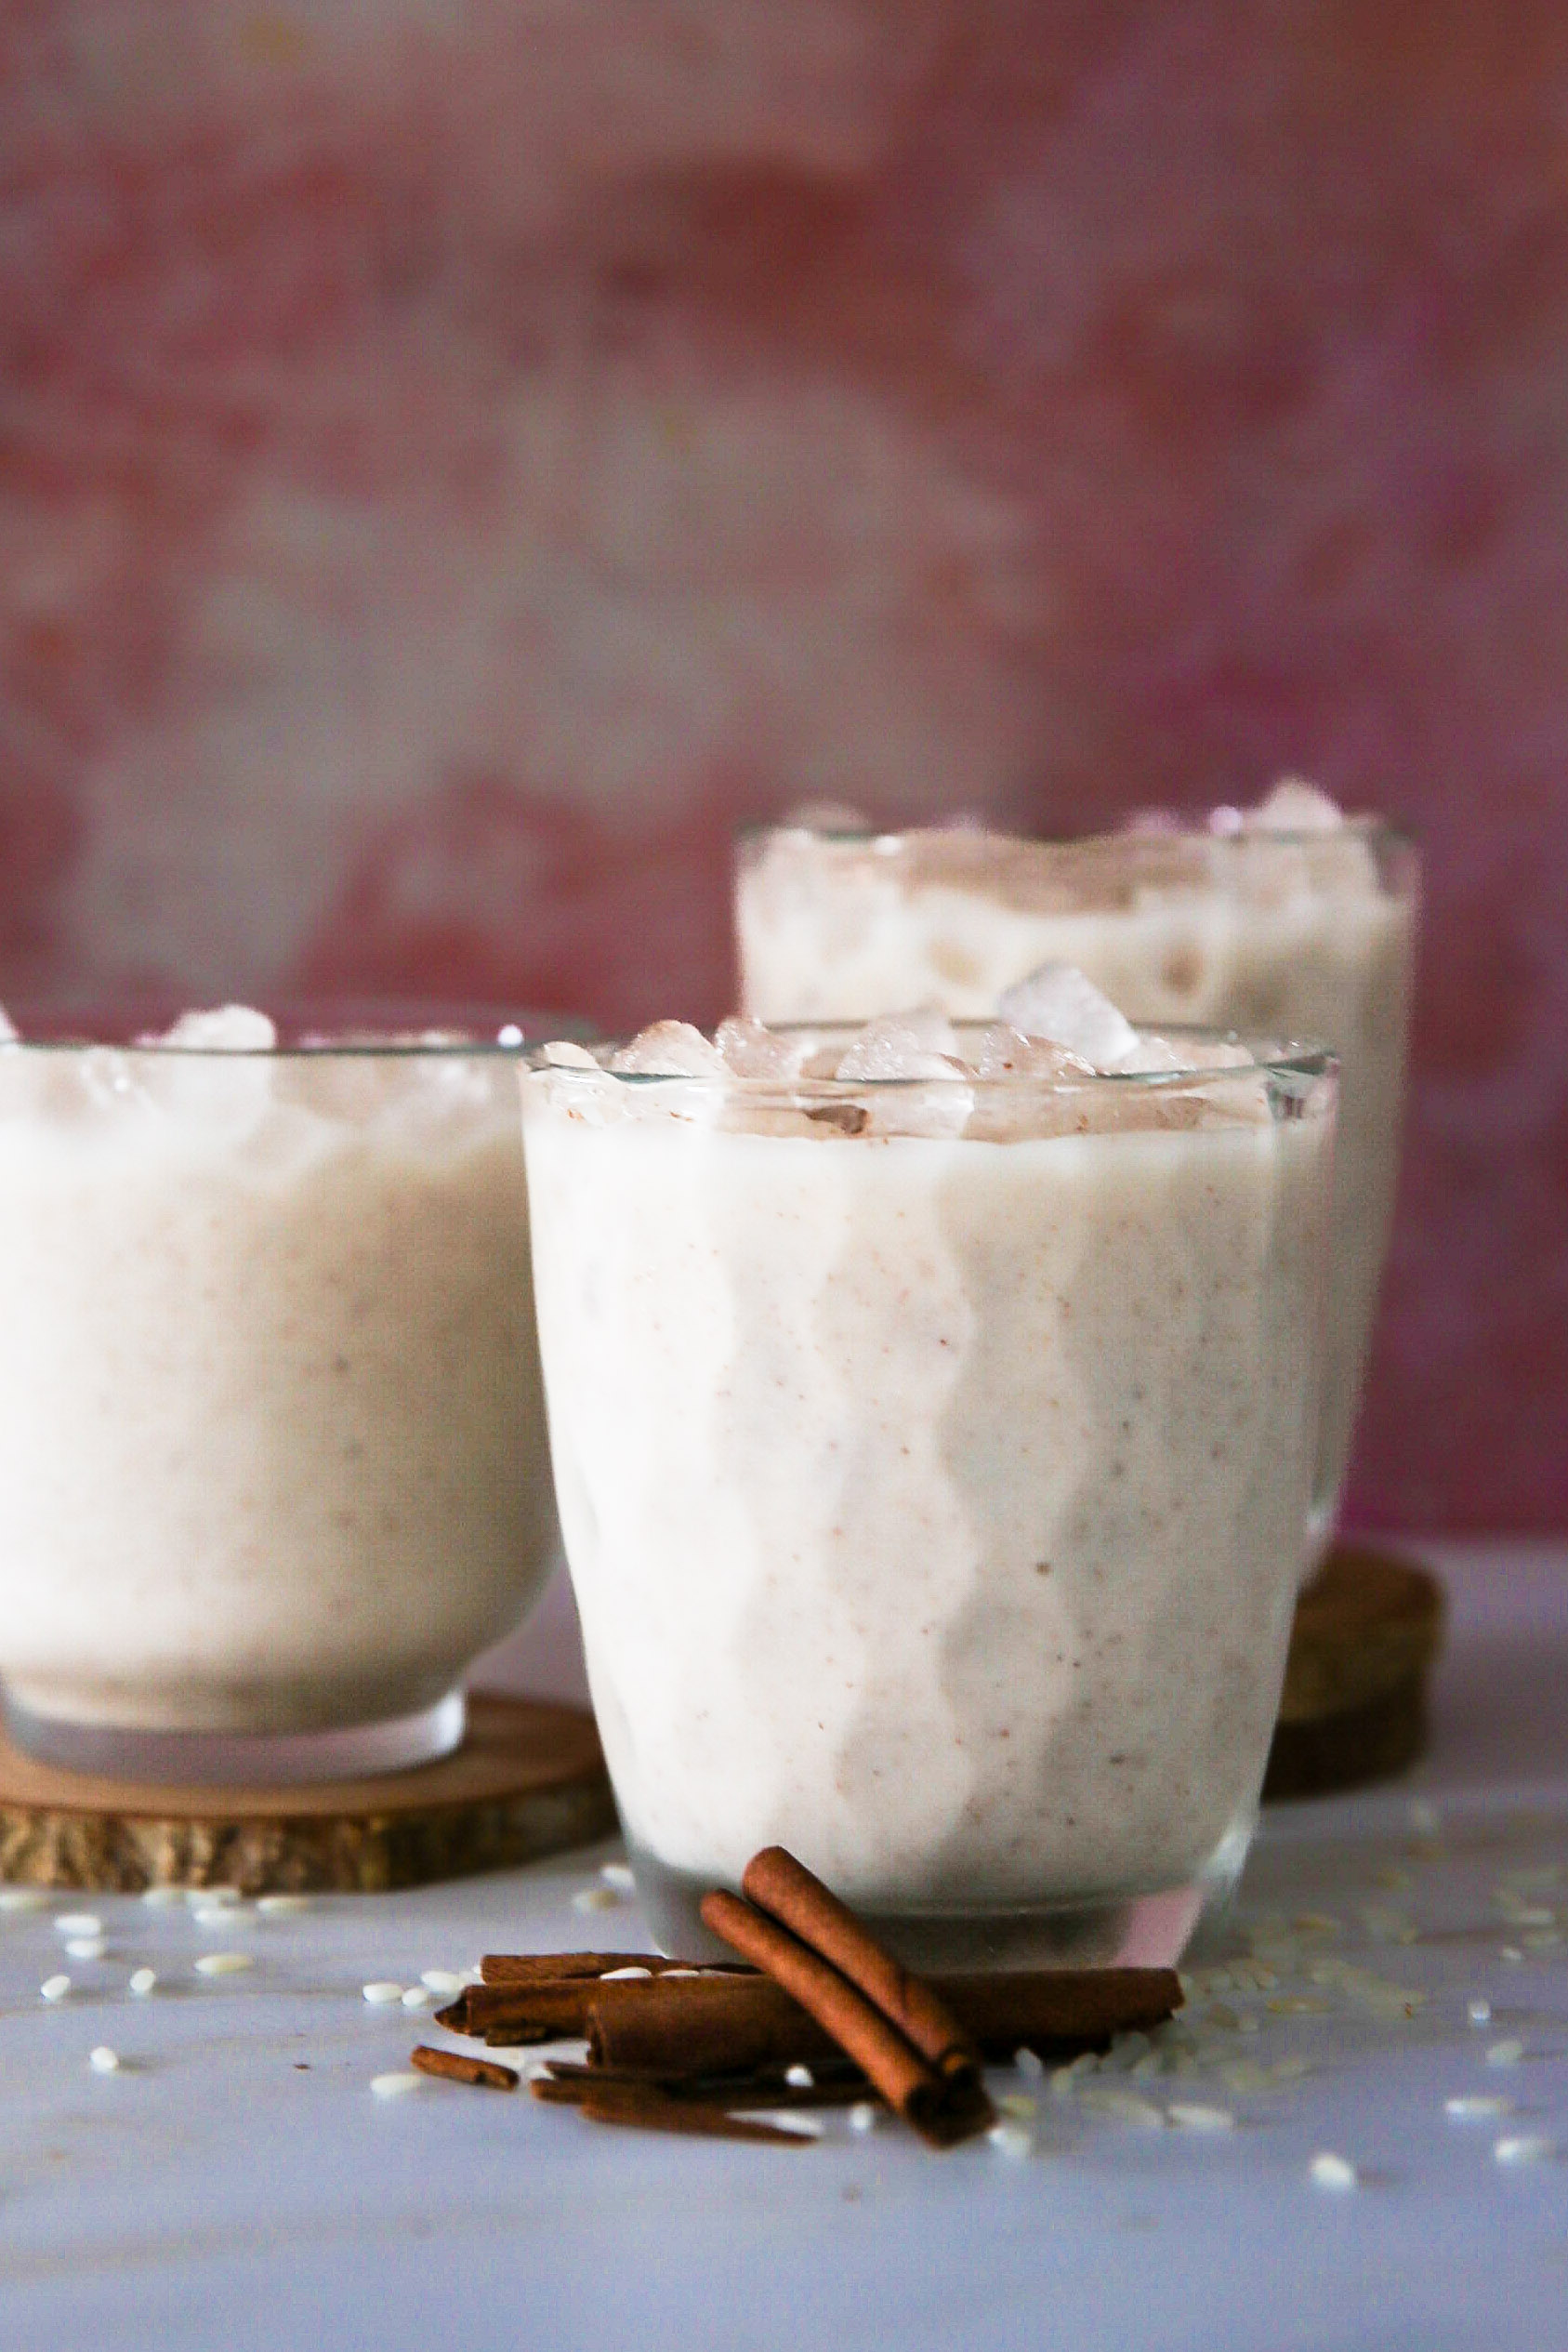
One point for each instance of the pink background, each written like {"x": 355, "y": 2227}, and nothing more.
{"x": 455, "y": 461}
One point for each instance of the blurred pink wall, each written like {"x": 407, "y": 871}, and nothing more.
{"x": 455, "y": 461}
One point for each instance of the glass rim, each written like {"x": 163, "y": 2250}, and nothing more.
{"x": 1274, "y": 1057}
{"x": 413, "y": 1027}
{"x": 1365, "y": 826}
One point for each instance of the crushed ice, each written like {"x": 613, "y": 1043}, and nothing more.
{"x": 1295, "y": 806}
{"x": 1063, "y": 1005}
{"x": 1031, "y": 1073}
{"x": 225, "y": 1029}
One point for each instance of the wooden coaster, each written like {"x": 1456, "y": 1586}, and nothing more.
{"x": 528, "y": 1780}
{"x": 1354, "y": 1708}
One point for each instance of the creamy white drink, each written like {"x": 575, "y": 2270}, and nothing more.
{"x": 272, "y": 1459}
{"x": 931, "y": 1453}
{"x": 1288, "y": 917}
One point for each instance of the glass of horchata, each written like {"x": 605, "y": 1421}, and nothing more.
{"x": 934, "y": 1412}
{"x": 272, "y": 1458}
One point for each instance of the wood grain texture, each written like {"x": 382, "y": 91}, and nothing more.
{"x": 1368, "y": 1629}
{"x": 528, "y": 1780}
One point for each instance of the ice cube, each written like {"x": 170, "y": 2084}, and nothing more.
{"x": 212, "y": 1073}
{"x": 935, "y": 1112}
{"x": 1156, "y": 1051}
{"x": 1005, "y": 1052}
{"x": 670, "y": 1050}
{"x": 1295, "y": 806}
{"x": 901, "y": 1046}
{"x": 225, "y": 1029}
{"x": 1058, "y": 1002}
{"x": 932, "y": 1028}
{"x": 752, "y": 1051}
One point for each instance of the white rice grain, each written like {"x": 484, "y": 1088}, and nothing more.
{"x": 1527, "y": 2148}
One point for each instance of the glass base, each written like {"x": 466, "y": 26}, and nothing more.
{"x": 1133, "y": 1931}
{"x": 241, "y": 1760}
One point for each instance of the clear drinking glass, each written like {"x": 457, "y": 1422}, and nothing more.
{"x": 932, "y": 1458}
{"x": 272, "y": 1458}
{"x": 1305, "y": 933}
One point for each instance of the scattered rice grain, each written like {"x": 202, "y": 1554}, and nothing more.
{"x": 1328, "y": 2171}
{"x": 595, "y": 1898}
{"x": 1014, "y": 2141}
{"x": 1189, "y": 2118}
{"x": 800, "y": 2078}
{"x": 380, "y": 1994}
{"x": 621, "y": 1976}
{"x": 22, "y": 1898}
{"x": 1506, "y": 2053}
{"x": 1125, "y": 2107}
{"x": 619, "y": 1876}
{"x": 54, "y": 1987}
{"x": 442, "y": 1980}
{"x": 142, "y": 1981}
{"x": 1474, "y": 2107}
{"x": 1526, "y": 2147}
{"x": 282, "y": 1906}
{"x": 78, "y": 1923}
{"x": 223, "y": 1963}
{"x": 84, "y": 1946}
{"x": 103, "y": 2060}
{"x": 393, "y": 2086}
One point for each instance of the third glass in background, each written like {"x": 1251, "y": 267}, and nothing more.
{"x": 1290, "y": 920}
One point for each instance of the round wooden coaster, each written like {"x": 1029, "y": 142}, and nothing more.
{"x": 1354, "y": 1707}
{"x": 528, "y": 1780}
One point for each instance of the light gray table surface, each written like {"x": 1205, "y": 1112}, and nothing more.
{"x": 236, "y": 2184}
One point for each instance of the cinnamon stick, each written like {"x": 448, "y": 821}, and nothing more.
{"x": 456, "y": 2065}
{"x": 716, "y": 2024}
{"x": 944, "y": 2105}
{"x": 579, "y": 2082}
{"x": 555, "y": 1968}
{"x": 775, "y": 1883}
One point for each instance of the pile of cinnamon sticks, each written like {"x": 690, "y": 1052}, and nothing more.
{"x": 820, "y": 2014}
